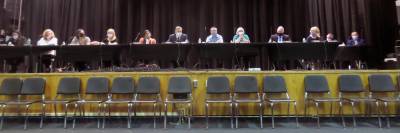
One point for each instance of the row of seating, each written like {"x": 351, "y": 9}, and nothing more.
{"x": 25, "y": 92}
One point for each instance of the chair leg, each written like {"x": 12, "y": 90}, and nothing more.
{"x": 206, "y": 109}
{"x": 26, "y": 116}
{"x": 55, "y": 110}
{"x": 232, "y": 114}
{"x": 317, "y": 108}
{"x": 341, "y": 114}
{"x": 65, "y": 115}
{"x": 129, "y": 115}
{"x": 98, "y": 114}
{"x": 154, "y": 114}
{"x": 354, "y": 117}
{"x": 236, "y": 114}
{"x": 387, "y": 114}
{"x": 305, "y": 107}
{"x": 74, "y": 119}
{"x": 261, "y": 114}
{"x": 165, "y": 115}
{"x": 3, "y": 108}
{"x": 331, "y": 107}
{"x": 43, "y": 115}
{"x": 272, "y": 115}
{"x": 297, "y": 115}
{"x": 104, "y": 114}
{"x": 190, "y": 115}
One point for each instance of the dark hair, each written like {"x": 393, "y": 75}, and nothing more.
{"x": 78, "y": 32}
{"x": 146, "y": 31}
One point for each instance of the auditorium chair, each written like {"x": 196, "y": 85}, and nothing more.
{"x": 274, "y": 87}
{"x": 10, "y": 87}
{"x": 247, "y": 86}
{"x": 96, "y": 93}
{"x": 148, "y": 91}
{"x": 32, "y": 92}
{"x": 68, "y": 92}
{"x": 380, "y": 86}
{"x": 317, "y": 91}
{"x": 179, "y": 92}
{"x": 218, "y": 91}
{"x": 351, "y": 90}
{"x": 121, "y": 86}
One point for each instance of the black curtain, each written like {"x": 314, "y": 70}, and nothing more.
{"x": 374, "y": 19}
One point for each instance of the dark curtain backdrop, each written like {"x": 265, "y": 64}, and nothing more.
{"x": 374, "y": 19}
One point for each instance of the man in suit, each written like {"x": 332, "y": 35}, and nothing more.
{"x": 178, "y": 36}
{"x": 355, "y": 40}
{"x": 280, "y": 36}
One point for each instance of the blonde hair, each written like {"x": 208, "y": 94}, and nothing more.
{"x": 112, "y": 31}
{"x": 239, "y": 29}
{"x": 316, "y": 30}
{"x": 48, "y": 32}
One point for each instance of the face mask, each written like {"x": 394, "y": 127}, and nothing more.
{"x": 179, "y": 34}
{"x": 109, "y": 35}
{"x": 354, "y": 37}
{"x": 15, "y": 37}
{"x": 240, "y": 33}
{"x": 81, "y": 35}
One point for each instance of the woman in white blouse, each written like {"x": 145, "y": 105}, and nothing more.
{"x": 48, "y": 38}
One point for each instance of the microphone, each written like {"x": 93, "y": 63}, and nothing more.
{"x": 137, "y": 36}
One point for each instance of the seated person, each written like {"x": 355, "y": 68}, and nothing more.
{"x": 314, "y": 35}
{"x": 111, "y": 38}
{"x": 280, "y": 36}
{"x": 178, "y": 36}
{"x": 80, "y": 38}
{"x": 355, "y": 40}
{"x": 17, "y": 39}
{"x": 214, "y": 37}
{"x": 241, "y": 36}
{"x": 330, "y": 38}
{"x": 146, "y": 39}
{"x": 48, "y": 38}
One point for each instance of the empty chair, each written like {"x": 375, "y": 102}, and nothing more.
{"x": 148, "y": 91}
{"x": 33, "y": 91}
{"x": 96, "y": 93}
{"x": 67, "y": 93}
{"x": 317, "y": 91}
{"x": 121, "y": 86}
{"x": 383, "y": 84}
{"x": 179, "y": 92}
{"x": 349, "y": 86}
{"x": 273, "y": 89}
{"x": 247, "y": 85}
{"x": 10, "y": 87}
{"x": 218, "y": 91}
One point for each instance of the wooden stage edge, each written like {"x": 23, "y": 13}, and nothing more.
{"x": 294, "y": 81}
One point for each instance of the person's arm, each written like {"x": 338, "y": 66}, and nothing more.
{"x": 208, "y": 39}
{"x": 88, "y": 40}
{"x": 141, "y": 40}
{"x": 246, "y": 38}
{"x": 154, "y": 41}
{"x": 221, "y": 39}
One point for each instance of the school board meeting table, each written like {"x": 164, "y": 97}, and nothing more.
{"x": 192, "y": 54}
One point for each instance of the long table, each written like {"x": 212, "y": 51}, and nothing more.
{"x": 193, "y": 55}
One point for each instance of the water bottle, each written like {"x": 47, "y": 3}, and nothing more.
{"x": 63, "y": 43}
{"x": 304, "y": 40}
{"x": 28, "y": 42}
{"x": 199, "y": 41}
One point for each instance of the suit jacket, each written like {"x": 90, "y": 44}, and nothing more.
{"x": 173, "y": 39}
{"x": 274, "y": 38}
{"x": 351, "y": 42}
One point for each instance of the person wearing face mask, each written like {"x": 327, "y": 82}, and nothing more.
{"x": 80, "y": 38}
{"x": 147, "y": 39}
{"x": 241, "y": 36}
{"x": 111, "y": 38}
{"x": 355, "y": 40}
{"x": 280, "y": 36}
{"x": 314, "y": 36}
{"x": 178, "y": 36}
{"x": 48, "y": 38}
{"x": 214, "y": 37}
{"x": 3, "y": 36}
{"x": 17, "y": 39}
{"x": 330, "y": 38}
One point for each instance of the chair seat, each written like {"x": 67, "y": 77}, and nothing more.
{"x": 325, "y": 99}
{"x": 59, "y": 101}
{"x": 277, "y": 100}
{"x": 360, "y": 99}
{"x": 389, "y": 99}
{"x": 21, "y": 102}
{"x": 118, "y": 101}
{"x": 246, "y": 100}
{"x": 178, "y": 101}
{"x": 218, "y": 100}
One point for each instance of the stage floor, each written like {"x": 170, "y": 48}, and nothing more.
{"x": 217, "y": 125}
